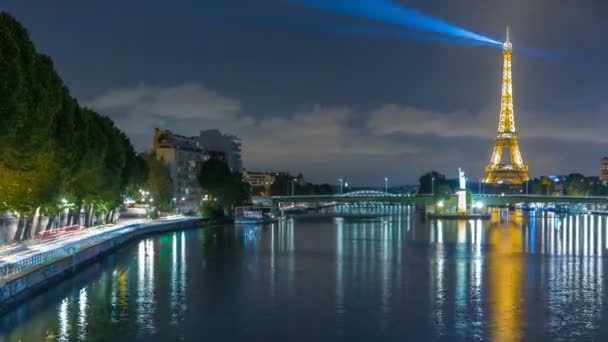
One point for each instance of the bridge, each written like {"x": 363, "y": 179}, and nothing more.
{"x": 427, "y": 199}
{"x": 496, "y": 200}
{"x": 356, "y": 197}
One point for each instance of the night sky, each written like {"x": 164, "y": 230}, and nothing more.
{"x": 304, "y": 98}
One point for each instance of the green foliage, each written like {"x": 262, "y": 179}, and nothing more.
{"x": 30, "y": 98}
{"x": 225, "y": 188}
{"x": 158, "y": 181}
{"x": 282, "y": 186}
{"x": 440, "y": 185}
{"x": 598, "y": 189}
{"x": 211, "y": 210}
{"x": 469, "y": 198}
{"x": 215, "y": 177}
{"x": 51, "y": 147}
{"x": 576, "y": 185}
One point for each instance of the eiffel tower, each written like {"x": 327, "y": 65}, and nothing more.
{"x": 516, "y": 172}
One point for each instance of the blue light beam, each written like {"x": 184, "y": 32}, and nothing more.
{"x": 314, "y": 25}
{"x": 389, "y": 12}
{"x": 305, "y": 25}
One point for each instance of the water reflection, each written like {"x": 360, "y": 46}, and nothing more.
{"x": 63, "y": 321}
{"x": 145, "y": 287}
{"x": 505, "y": 281}
{"x": 82, "y": 314}
{"x": 517, "y": 276}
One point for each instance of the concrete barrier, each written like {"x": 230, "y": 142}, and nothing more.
{"x": 18, "y": 287}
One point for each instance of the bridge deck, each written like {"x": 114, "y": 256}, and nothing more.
{"x": 491, "y": 200}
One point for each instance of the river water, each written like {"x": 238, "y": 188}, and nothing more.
{"x": 518, "y": 276}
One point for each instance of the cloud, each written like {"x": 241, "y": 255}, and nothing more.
{"x": 323, "y": 143}
{"x": 122, "y": 97}
{"x": 190, "y": 107}
{"x": 182, "y": 101}
{"x": 185, "y": 108}
{"x": 581, "y": 127}
{"x": 392, "y": 118}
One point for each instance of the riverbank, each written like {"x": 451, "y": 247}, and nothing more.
{"x": 29, "y": 276}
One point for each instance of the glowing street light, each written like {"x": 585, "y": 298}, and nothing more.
{"x": 386, "y": 185}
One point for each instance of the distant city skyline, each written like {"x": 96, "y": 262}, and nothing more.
{"x": 330, "y": 105}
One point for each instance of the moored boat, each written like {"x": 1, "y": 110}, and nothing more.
{"x": 253, "y": 215}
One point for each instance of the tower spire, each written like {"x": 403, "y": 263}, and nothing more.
{"x": 507, "y": 45}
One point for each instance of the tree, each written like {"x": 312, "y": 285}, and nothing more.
{"x": 323, "y": 189}
{"x": 215, "y": 176}
{"x": 158, "y": 181}
{"x": 30, "y": 98}
{"x": 224, "y": 187}
{"x": 281, "y": 185}
{"x": 598, "y": 189}
{"x": 576, "y": 185}
{"x": 135, "y": 174}
{"x": 439, "y": 184}
{"x": 53, "y": 150}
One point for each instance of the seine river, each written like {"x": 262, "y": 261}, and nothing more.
{"x": 518, "y": 276}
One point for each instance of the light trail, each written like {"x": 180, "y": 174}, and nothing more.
{"x": 10, "y": 259}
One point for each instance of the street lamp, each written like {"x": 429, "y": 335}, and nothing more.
{"x": 341, "y": 184}
{"x": 433, "y": 186}
{"x": 293, "y": 180}
{"x": 386, "y": 185}
{"x": 478, "y": 206}
{"x": 480, "y": 186}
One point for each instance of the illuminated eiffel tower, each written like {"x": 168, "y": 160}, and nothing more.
{"x": 516, "y": 172}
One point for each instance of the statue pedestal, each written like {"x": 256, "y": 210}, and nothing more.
{"x": 462, "y": 202}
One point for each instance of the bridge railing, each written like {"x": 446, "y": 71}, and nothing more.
{"x": 423, "y": 199}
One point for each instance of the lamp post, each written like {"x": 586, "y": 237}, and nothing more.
{"x": 386, "y": 185}
{"x": 293, "y": 180}
{"x": 433, "y": 186}
{"x": 341, "y": 184}
{"x": 480, "y": 188}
